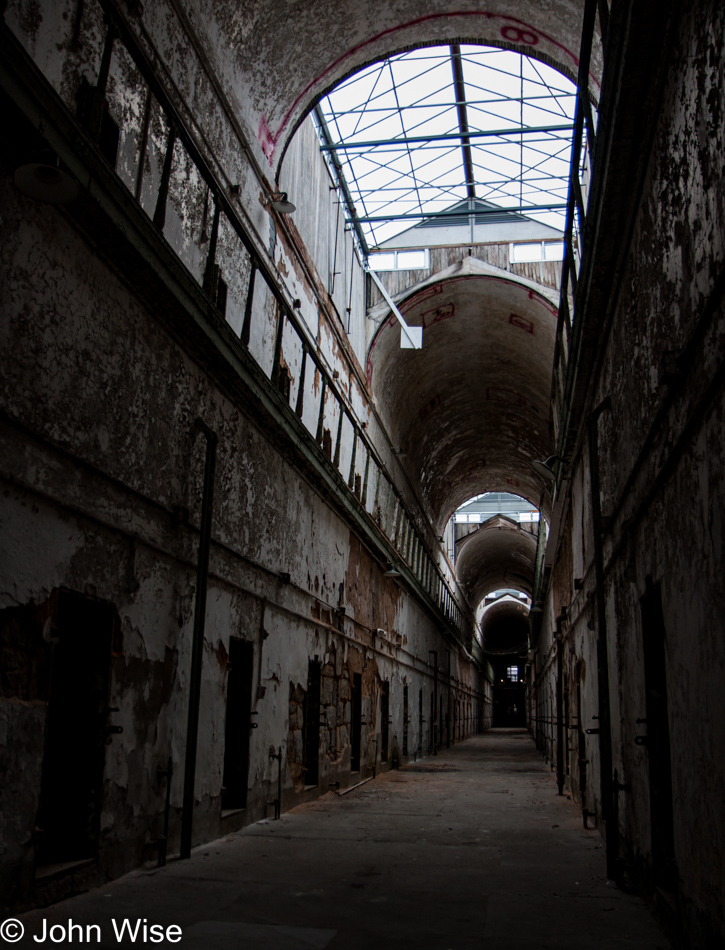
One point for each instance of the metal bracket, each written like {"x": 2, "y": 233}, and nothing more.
{"x": 411, "y": 338}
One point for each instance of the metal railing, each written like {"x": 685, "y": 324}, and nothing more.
{"x": 176, "y": 186}
{"x": 583, "y": 154}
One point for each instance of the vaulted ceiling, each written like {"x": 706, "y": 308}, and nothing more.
{"x": 505, "y": 628}
{"x": 470, "y": 410}
{"x": 499, "y": 554}
{"x": 281, "y": 57}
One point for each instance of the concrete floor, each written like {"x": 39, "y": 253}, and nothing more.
{"x": 469, "y": 849}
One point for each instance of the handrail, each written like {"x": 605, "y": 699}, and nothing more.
{"x": 563, "y": 369}
{"x": 291, "y": 338}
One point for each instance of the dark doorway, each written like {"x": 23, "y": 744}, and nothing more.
{"x": 664, "y": 868}
{"x": 420, "y": 722}
{"x": 312, "y": 724}
{"x": 509, "y": 691}
{"x": 384, "y": 721}
{"x": 75, "y": 734}
{"x": 432, "y": 725}
{"x": 238, "y": 723}
{"x": 406, "y": 720}
{"x": 356, "y": 724}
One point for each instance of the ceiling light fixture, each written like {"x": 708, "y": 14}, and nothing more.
{"x": 280, "y": 203}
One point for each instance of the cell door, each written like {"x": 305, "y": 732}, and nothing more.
{"x": 420, "y": 721}
{"x": 384, "y": 721}
{"x": 356, "y": 724}
{"x": 406, "y": 721}
{"x": 658, "y": 738}
{"x": 312, "y": 724}
{"x": 76, "y": 730}
{"x": 238, "y": 727}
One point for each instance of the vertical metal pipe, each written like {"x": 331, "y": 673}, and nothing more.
{"x": 338, "y": 440}
{"x": 605, "y": 719}
{"x": 276, "y": 363}
{"x": 435, "y": 700}
{"x": 197, "y": 647}
{"x": 163, "y": 840}
{"x": 160, "y": 212}
{"x": 99, "y": 95}
{"x": 279, "y": 782}
{"x": 211, "y": 252}
{"x": 301, "y": 391}
{"x": 143, "y": 145}
{"x": 321, "y": 417}
{"x": 559, "y": 711}
{"x": 351, "y": 478}
{"x": 247, "y": 325}
{"x": 364, "y": 495}
{"x": 449, "y": 716}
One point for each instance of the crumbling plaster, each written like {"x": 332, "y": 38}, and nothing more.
{"x": 103, "y": 471}
{"x": 661, "y": 461}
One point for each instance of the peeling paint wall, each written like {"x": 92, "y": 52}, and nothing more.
{"x": 661, "y": 463}
{"x": 103, "y": 475}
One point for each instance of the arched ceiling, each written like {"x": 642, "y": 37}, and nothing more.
{"x": 505, "y": 628}
{"x": 471, "y": 409}
{"x": 499, "y": 554}
{"x": 282, "y": 57}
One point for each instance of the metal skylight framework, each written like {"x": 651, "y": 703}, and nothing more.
{"x": 414, "y": 135}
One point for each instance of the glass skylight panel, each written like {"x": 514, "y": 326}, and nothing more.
{"x": 412, "y": 96}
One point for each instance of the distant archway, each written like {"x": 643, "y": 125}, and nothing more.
{"x": 500, "y": 554}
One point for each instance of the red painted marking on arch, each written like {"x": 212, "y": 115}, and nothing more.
{"x": 413, "y": 301}
{"x": 444, "y": 312}
{"x": 522, "y": 323}
{"x": 269, "y": 140}
{"x": 547, "y": 303}
{"x": 532, "y": 294}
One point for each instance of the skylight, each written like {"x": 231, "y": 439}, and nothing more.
{"x": 419, "y": 133}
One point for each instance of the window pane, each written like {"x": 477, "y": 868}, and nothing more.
{"x": 382, "y": 261}
{"x": 411, "y": 260}
{"x": 521, "y": 253}
{"x": 554, "y": 251}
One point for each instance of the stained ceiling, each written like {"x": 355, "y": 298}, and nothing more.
{"x": 470, "y": 410}
{"x": 282, "y": 57}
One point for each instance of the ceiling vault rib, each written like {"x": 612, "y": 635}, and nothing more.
{"x": 460, "y": 90}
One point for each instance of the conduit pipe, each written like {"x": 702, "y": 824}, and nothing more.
{"x": 560, "y": 709}
{"x": 611, "y": 831}
{"x": 197, "y": 646}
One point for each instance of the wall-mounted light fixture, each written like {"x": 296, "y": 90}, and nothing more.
{"x": 546, "y": 469}
{"x": 280, "y": 203}
{"x": 391, "y": 572}
{"x": 42, "y": 181}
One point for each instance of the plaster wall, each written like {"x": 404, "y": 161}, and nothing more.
{"x": 103, "y": 474}
{"x": 661, "y": 462}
